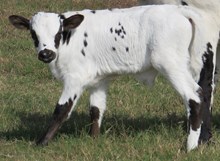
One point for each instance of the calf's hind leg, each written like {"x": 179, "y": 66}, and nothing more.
{"x": 207, "y": 83}
{"x": 193, "y": 98}
{"x": 177, "y": 72}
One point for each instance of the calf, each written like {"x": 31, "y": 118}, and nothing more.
{"x": 86, "y": 48}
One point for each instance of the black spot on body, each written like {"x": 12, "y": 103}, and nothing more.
{"x": 122, "y": 28}
{"x": 93, "y": 11}
{"x": 35, "y": 39}
{"x": 116, "y": 31}
{"x": 111, "y": 30}
{"x": 113, "y": 48}
{"x": 127, "y": 49}
{"x": 83, "y": 52}
{"x": 85, "y": 34}
{"x": 85, "y": 43}
{"x": 119, "y": 31}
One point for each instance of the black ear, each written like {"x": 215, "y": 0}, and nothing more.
{"x": 19, "y": 22}
{"x": 72, "y": 22}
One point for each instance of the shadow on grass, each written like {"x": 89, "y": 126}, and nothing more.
{"x": 33, "y": 125}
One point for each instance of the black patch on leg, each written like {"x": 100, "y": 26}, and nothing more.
{"x": 206, "y": 82}
{"x": 59, "y": 116}
{"x": 62, "y": 110}
{"x": 94, "y": 114}
{"x": 206, "y": 75}
{"x": 195, "y": 114}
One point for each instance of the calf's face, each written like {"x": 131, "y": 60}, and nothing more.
{"x": 47, "y": 31}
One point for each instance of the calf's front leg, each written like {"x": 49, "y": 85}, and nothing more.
{"x": 61, "y": 113}
{"x": 97, "y": 107}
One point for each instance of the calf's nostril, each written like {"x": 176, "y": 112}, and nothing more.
{"x": 44, "y": 54}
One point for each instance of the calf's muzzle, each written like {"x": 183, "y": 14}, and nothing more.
{"x": 46, "y": 55}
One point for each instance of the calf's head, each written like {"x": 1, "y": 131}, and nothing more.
{"x": 47, "y": 30}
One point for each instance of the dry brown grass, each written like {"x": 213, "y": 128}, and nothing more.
{"x": 120, "y": 3}
{"x": 105, "y": 3}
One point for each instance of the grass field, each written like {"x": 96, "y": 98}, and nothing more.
{"x": 140, "y": 123}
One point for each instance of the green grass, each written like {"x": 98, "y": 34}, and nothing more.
{"x": 140, "y": 124}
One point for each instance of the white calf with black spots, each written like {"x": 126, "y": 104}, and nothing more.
{"x": 86, "y": 48}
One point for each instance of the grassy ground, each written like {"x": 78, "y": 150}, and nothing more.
{"x": 140, "y": 124}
